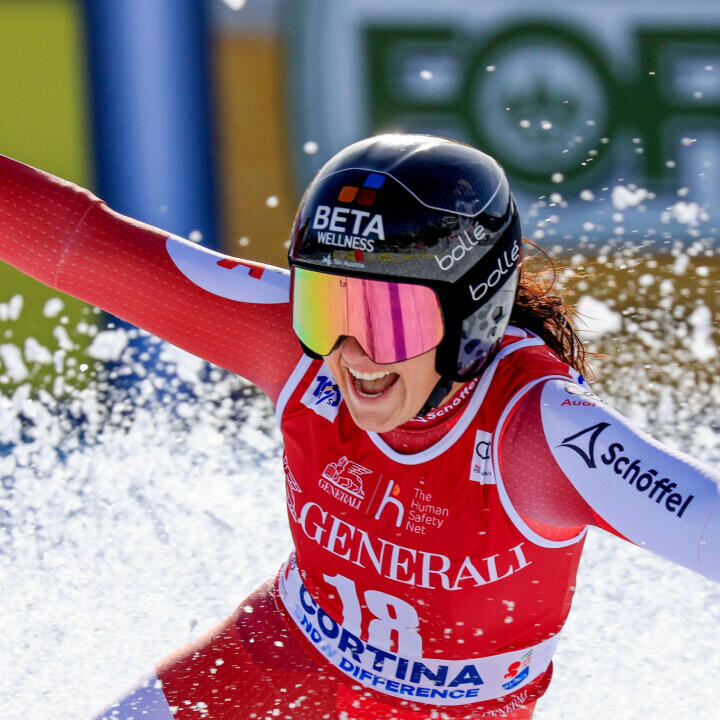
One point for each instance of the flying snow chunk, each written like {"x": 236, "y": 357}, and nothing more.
{"x": 16, "y": 306}
{"x": 310, "y": 147}
{"x": 235, "y": 4}
{"x": 688, "y": 213}
{"x": 587, "y": 195}
{"x": 195, "y": 236}
{"x": 53, "y": 307}
{"x": 62, "y": 337}
{"x": 623, "y": 197}
{"x": 426, "y": 75}
{"x": 108, "y": 345}
{"x": 13, "y": 362}
{"x": 596, "y": 318}
{"x": 11, "y": 310}
{"x": 557, "y": 177}
{"x": 701, "y": 343}
{"x": 680, "y": 264}
{"x": 667, "y": 287}
{"x": 188, "y": 366}
{"x": 272, "y": 201}
{"x": 36, "y": 353}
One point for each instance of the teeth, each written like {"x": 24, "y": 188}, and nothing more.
{"x": 367, "y": 376}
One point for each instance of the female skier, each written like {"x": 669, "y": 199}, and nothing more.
{"x": 443, "y": 453}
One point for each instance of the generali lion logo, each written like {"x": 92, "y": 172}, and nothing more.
{"x": 343, "y": 480}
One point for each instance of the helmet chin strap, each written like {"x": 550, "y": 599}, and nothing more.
{"x": 438, "y": 393}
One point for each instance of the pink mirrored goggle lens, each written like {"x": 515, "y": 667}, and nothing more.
{"x": 391, "y": 321}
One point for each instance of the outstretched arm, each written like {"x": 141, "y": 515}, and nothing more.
{"x": 233, "y": 313}
{"x": 590, "y": 467}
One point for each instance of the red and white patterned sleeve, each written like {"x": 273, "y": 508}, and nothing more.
{"x": 233, "y": 313}
{"x": 568, "y": 460}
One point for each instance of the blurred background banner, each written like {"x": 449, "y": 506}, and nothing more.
{"x": 44, "y": 121}
{"x": 208, "y": 118}
{"x": 211, "y": 117}
{"x": 149, "y": 66}
{"x": 568, "y": 95}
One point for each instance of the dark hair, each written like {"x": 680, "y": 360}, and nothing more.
{"x": 547, "y": 315}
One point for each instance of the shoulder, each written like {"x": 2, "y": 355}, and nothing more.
{"x": 522, "y": 362}
{"x": 527, "y": 352}
{"x": 560, "y": 405}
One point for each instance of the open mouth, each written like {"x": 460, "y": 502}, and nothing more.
{"x": 372, "y": 385}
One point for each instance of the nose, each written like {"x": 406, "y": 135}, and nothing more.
{"x": 352, "y": 351}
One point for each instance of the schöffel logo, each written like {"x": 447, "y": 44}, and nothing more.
{"x": 351, "y": 228}
{"x": 586, "y": 448}
{"x": 343, "y": 480}
{"x": 645, "y": 480}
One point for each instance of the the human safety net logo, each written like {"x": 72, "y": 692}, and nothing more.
{"x": 403, "y": 673}
{"x": 352, "y": 228}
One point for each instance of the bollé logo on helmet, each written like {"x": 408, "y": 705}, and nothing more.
{"x": 467, "y": 242}
{"x": 347, "y": 227}
{"x": 505, "y": 264}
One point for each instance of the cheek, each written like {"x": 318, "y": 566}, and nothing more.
{"x": 333, "y": 363}
{"x": 419, "y": 391}
{"x": 420, "y": 380}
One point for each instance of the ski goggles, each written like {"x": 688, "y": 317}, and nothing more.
{"x": 391, "y": 321}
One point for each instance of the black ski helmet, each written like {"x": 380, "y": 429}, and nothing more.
{"x": 424, "y": 210}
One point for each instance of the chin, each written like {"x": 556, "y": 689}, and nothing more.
{"x": 378, "y": 424}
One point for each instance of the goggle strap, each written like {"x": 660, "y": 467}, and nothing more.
{"x": 438, "y": 393}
